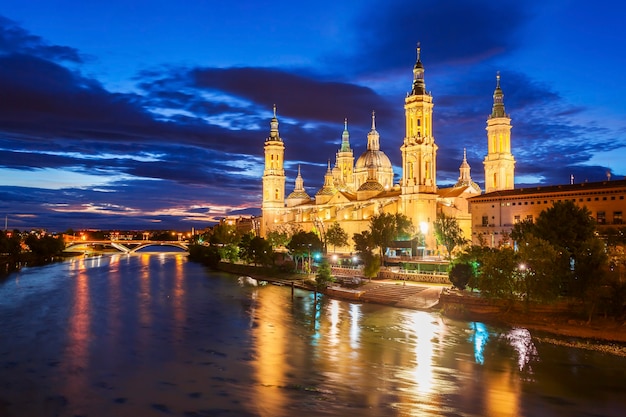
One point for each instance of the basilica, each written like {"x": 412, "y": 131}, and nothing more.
{"x": 354, "y": 192}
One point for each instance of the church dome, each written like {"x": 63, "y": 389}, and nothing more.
{"x": 298, "y": 195}
{"x": 375, "y": 159}
{"x": 371, "y": 185}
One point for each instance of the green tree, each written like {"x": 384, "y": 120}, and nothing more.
{"x": 261, "y": 251}
{"x": 522, "y": 229}
{"x": 226, "y": 238}
{"x": 538, "y": 260}
{"x": 460, "y": 275}
{"x": 277, "y": 238}
{"x": 473, "y": 256}
{"x": 336, "y": 236}
{"x": 46, "y": 246}
{"x": 207, "y": 255}
{"x": 324, "y": 276}
{"x": 386, "y": 227}
{"x": 364, "y": 244}
{"x": 304, "y": 245}
{"x": 448, "y": 233}
{"x": 224, "y": 234}
{"x": 497, "y": 274}
{"x": 571, "y": 230}
{"x": 10, "y": 243}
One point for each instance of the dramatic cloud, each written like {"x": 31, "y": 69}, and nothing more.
{"x": 180, "y": 143}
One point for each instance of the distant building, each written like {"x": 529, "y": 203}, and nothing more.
{"x": 494, "y": 214}
{"x": 243, "y": 223}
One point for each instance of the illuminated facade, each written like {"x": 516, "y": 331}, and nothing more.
{"x": 354, "y": 192}
{"x": 494, "y": 214}
{"x": 499, "y": 162}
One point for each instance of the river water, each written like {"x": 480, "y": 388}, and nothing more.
{"x": 156, "y": 335}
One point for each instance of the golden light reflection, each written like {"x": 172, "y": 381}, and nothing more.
{"x": 355, "y": 328}
{"x": 143, "y": 303}
{"x": 502, "y": 393}
{"x": 425, "y": 333}
{"x": 271, "y": 368}
{"x": 333, "y": 331}
{"x": 78, "y": 332}
{"x": 178, "y": 297}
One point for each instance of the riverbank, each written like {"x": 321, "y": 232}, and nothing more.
{"x": 428, "y": 297}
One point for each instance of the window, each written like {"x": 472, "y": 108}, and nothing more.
{"x": 601, "y": 217}
{"x": 617, "y": 217}
{"x": 485, "y": 221}
{"x": 529, "y": 217}
{"x": 517, "y": 219}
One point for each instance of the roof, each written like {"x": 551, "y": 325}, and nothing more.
{"x": 551, "y": 189}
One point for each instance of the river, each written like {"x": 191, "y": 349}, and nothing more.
{"x": 157, "y": 335}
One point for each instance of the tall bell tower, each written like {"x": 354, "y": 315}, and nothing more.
{"x": 273, "y": 177}
{"x": 419, "y": 151}
{"x": 419, "y": 157}
{"x": 499, "y": 162}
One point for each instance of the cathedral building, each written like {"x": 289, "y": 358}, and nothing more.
{"x": 354, "y": 192}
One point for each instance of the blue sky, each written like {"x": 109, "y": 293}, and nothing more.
{"x": 153, "y": 114}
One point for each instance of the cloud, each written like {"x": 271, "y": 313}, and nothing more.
{"x": 15, "y": 40}
{"x": 453, "y": 32}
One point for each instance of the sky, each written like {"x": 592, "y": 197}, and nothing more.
{"x": 152, "y": 114}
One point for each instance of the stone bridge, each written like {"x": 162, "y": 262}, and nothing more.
{"x": 124, "y": 246}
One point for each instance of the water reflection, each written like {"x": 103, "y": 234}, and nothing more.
{"x": 147, "y": 334}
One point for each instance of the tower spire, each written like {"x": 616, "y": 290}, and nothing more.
{"x": 345, "y": 137}
{"x": 373, "y": 138}
{"x": 274, "y": 127}
{"x": 498, "y": 100}
{"x": 419, "y": 87}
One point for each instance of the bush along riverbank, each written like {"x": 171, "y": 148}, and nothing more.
{"x": 565, "y": 318}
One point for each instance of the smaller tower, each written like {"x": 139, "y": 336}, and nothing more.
{"x": 299, "y": 195}
{"x": 499, "y": 162}
{"x": 344, "y": 164}
{"x": 273, "y": 177}
{"x": 465, "y": 179}
{"x": 328, "y": 189}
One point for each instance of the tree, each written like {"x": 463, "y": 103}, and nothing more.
{"x": 460, "y": 275}
{"x": 336, "y": 236}
{"x": 10, "y": 243}
{"x": 448, "y": 233}
{"x": 522, "y": 229}
{"x": 261, "y": 251}
{"x": 303, "y": 245}
{"x": 324, "y": 276}
{"x": 226, "y": 238}
{"x": 224, "y": 234}
{"x": 365, "y": 245}
{"x": 538, "y": 261}
{"x": 473, "y": 256}
{"x": 282, "y": 234}
{"x": 386, "y": 227}
{"x": 497, "y": 274}
{"x": 571, "y": 230}
{"x": 44, "y": 246}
